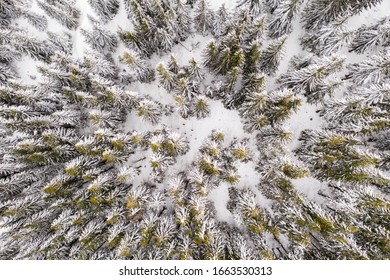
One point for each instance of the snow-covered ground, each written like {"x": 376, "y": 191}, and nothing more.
{"x": 197, "y": 130}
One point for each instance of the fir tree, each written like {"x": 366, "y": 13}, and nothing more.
{"x": 370, "y": 36}
{"x": 203, "y": 17}
{"x": 283, "y": 16}
{"x": 99, "y": 39}
{"x": 335, "y": 157}
{"x": 221, "y": 21}
{"x": 105, "y": 9}
{"x": 63, "y": 11}
{"x": 328, "y": 38}
{"x": 308, "y": 74}
{"x": 137, "y": 65}
{"x": 271, "y": 56}
{"x": 372, "y": 70}
{"x": 319, "y": 12}
{"x": 255, "y": 7}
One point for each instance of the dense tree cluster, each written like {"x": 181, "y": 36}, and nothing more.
{"x": 94, "y": 163}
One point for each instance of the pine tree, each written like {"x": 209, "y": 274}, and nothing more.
{"x": 173, "y": 66}
{"x": 308, "y": 74}
{"x": 60, "y": 42}
{"x": 252, "y": 58}
{"x": 29, "y": 45}
{"x": 271, "y": 56}
{"x": 272, "y": 4}
{"x": 11, "y": 10}
{"x": 370, "y": 36}
{"x": 328, "y": 38}
{"x": 105, "y": 9}
{"x": 255, "y": 7}
{"x": 372, "y": 70}
{"x": 149, "y": 111}
{"x": 203, "y": 17}
{"x": 262, "y": 109}
{"x": 201, "y": 108}
{"x": 137, "y": 65}
{"x": 319, "y": 12}
{"x": 101, "y": 65}
{"x": 194, "y": 71}
{"x": 7, "y": 57}
{"x": 166, "y": 77}
{"x": 61, "y": 10}
{"x": 335, "y": 157}
{"x": 158, "y": 25}
{"x": 363, "y": 111}
{"x": 283, "y": 16}
{"x": 221, "y": 21}
{"x": 99, "y": 39}
{"x": 183, "y": 20}
{"x": 8, "y": 11}
{"x": 38, "y": 21}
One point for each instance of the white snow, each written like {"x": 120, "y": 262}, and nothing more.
{"x": 197, "y": 130}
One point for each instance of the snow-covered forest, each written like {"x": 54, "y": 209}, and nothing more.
{"x": 194, "y": 129}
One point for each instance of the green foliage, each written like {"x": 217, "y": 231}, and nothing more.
{"x": 335, "y": 157}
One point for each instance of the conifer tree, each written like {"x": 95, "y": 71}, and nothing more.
{"x": 335, "y": 157}
{"x": 78, "y": 181}
{"x": 328, "y": 39}
{"x": 255, "y": 7}
{"x": 308, "y": 74}
{"x": 183, "y": 20}
{"x": 105, "y": 9}
{"x": 262, "y": 109}
{"x": 319, "y": 12}
{"x": 271, "y": 56}
{"x": 221, "y": 22}
{"x": 137, "y": 65}
{"x": 158, "y": 25}
{"x": 203, "y": 17}
{"x": 201, "y": 108}
{"x": 372, "y": 70}
{"x": 166, "y": 77}
{"x": 63, "y": 11}
{"x": 60, "y": 42}
{"x": 370, "y": 36}
{"x": 363, "y": 111}
{"x": 272, "y": 4}
{"x": 252, "y": 58}
{"x": 283, "y": 16}
{"x": 99, "y": 39}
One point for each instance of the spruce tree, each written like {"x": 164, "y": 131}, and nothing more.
{"x": 328, "y": 39}
{"x": 283, "y": 16}
{"x": 99, "y": 39}
{"x": 203, "y": 17}
{"x": 308, "y": 74}
{"x": 221, "y": 21}
{"x": 271, "y": 56}
{"x": 255, "y": 7}
{"x": 372, "y": 70}
{"x": 370, "y": 36}
{"x": 63, "y": 11}
{"x": 105, "y": 9}
{"x": 336, "y": 157}
{"x": 320, "y": 12}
